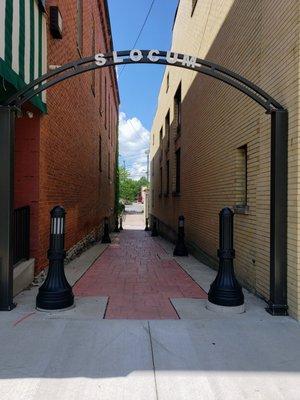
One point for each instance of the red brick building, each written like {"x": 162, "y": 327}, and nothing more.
{"x": 67, "y": 155}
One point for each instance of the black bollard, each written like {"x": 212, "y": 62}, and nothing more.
{"x": 154, "y": 228}
{"x": 56, "y": 293}
{"x": 105, "y": 237}
{"x": 225, "y": 290}
{"x": 117, "y": 225}
{"x": 147, "y": 225}
{"x": 180, "y": 248}
{"x": 121, "y": 224}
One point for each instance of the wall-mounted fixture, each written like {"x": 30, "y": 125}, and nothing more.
{"x": 56, "y": 22}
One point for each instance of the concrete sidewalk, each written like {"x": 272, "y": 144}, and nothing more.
{"x": 78, "y": 355}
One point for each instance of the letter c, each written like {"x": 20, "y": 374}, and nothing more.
{"x": 151, "y": 56}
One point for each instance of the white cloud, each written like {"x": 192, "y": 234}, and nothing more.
{"x": 133, "y": 142}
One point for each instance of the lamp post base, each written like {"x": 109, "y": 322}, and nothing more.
{"x": 224, "y": 309}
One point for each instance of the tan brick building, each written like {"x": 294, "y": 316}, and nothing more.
{"x": 210, "y": 144}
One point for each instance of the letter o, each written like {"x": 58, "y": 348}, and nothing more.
{"x": 136, "y": 55}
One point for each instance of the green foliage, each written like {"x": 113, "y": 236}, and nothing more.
{"x": 129, "y": 188}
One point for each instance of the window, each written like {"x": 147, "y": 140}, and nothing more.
{"x": 100, "y": 154}
{"x": 177, "y": 109}
{"x": 177, "y": 158}
{"x": 194, "y": 3}
{"x": 153, "y": 139}
{"x": 160, "y": 136}
{"x": 161, "y": 181}
{"x": 93, "y": 52}
{"x": 80, "y": 25}
{"x": 241, "y": 177}
{"x": 168, "y": 177}
{"x": 100, "y": 91}
{"x": 108, "y": 165}
{"x": 167, "y": 128}
{"x": 109, "y": 116}
{"x": 105, "y": 102}
{"x": 168, "y": 81}
{"x": 152, "y": 167}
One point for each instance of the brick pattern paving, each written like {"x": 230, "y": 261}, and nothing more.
{"x": 138, "y": 277}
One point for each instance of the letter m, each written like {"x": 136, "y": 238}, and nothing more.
{"x": 189, "y": 61}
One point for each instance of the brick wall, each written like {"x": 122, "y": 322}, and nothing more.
{"x": 260, "y": 40}
{"x": 70, "y": 133}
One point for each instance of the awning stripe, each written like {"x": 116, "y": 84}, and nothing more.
{"x": 27, "y": 42}
{"x": 8, "y": 32}
{"x": 15, "y": 36}
{"x": 22, "y": 39}
{"x": 31, "y": 40}
{"x": 2, "y": 28}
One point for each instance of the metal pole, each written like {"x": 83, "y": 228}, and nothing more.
{"x": 7, "y": 145}
{"x": 278, "y": 223}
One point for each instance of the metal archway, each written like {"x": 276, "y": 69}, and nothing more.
{"x": 279, "y": 133}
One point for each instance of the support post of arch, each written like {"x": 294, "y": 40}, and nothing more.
{"x": 278, "y": 215}
{"x": 7, "y": 142}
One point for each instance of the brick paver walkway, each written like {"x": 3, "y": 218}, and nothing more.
{"x": 137, "y": 276}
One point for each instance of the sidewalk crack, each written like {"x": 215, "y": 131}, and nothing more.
{"x": 153, "y": 362}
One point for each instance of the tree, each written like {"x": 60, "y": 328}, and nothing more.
{"x": 129, "y": 188}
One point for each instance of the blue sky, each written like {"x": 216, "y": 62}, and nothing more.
{"x": 139, "y": 84}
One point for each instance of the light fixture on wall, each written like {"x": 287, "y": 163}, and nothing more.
{"x": 56, "y": 22}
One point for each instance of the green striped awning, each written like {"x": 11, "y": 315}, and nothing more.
{"x": 23, "y": 46}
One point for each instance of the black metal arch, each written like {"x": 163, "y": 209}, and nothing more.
{"x": 279, "y": 134}
{"x": 205, "y": 67}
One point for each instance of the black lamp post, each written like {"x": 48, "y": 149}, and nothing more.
{"x": 117, "y": 225}
{"x": 225, "y": 290}
{"x": 180, "y": 248}
{"x": 147, "y": 225}
{"x": 56, "y": 293}
{"x": 105, "y": 237}
{"x": 154, "y": 231}
{"x": 121, "y": 224}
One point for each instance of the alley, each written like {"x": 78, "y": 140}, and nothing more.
{"x": 137, "y": 276}
{"x": 99, "y": 351}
